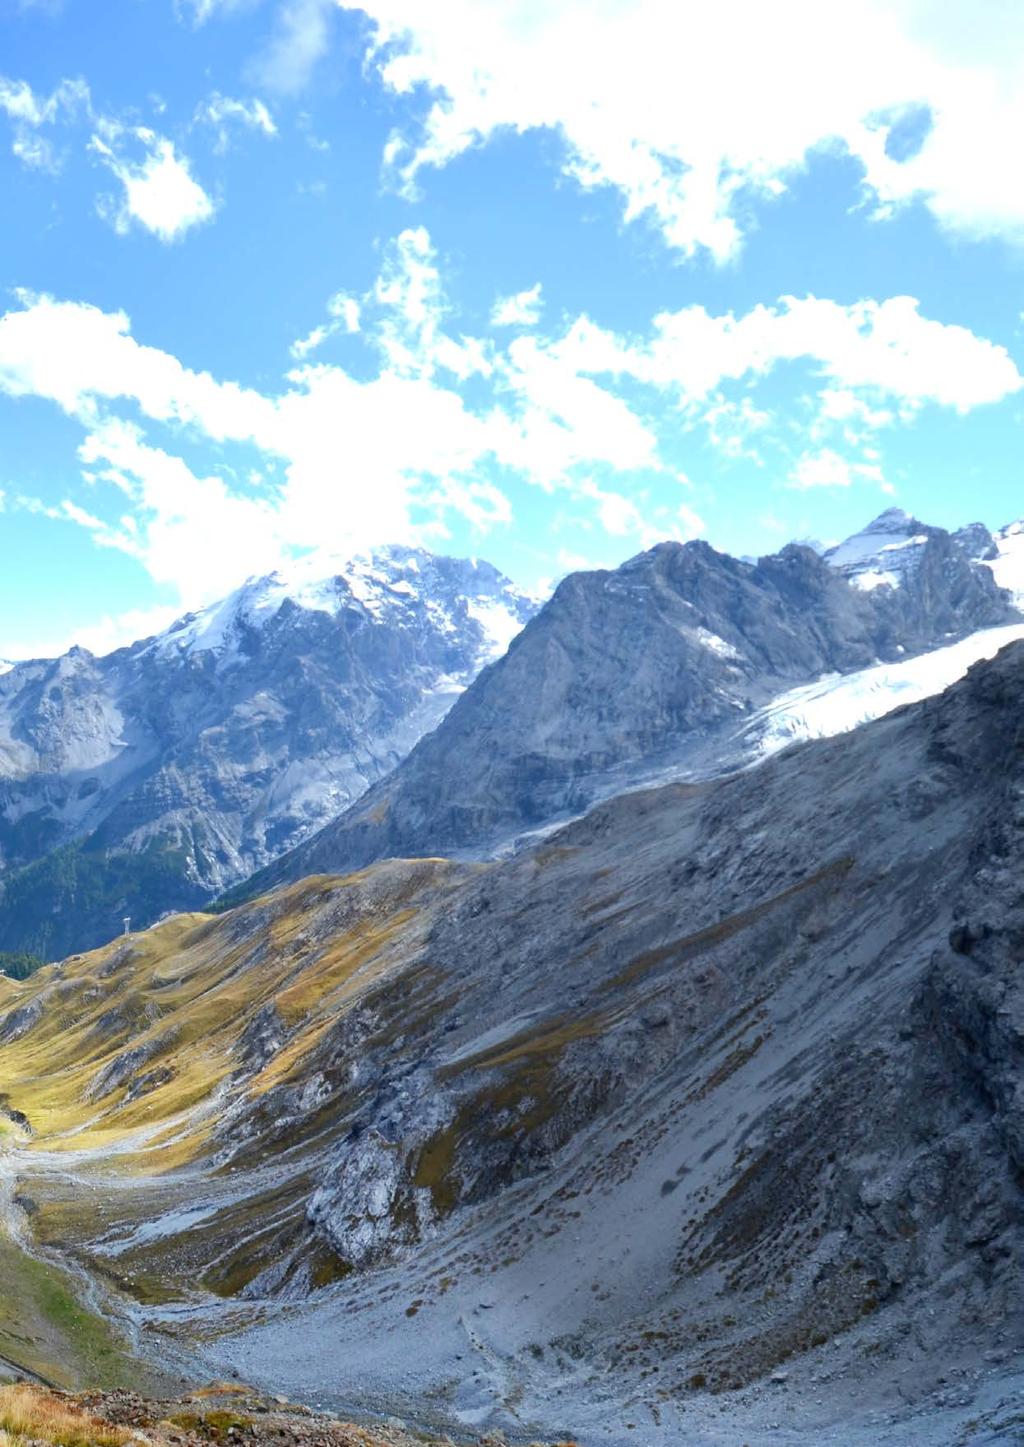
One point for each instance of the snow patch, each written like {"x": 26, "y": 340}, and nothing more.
{"x": 1008, "y": 567}
{"x": 721, "y": 646}
{"x": 884, "y": 554}
{"x": 384, "y": 584}
{"x": 837, "y": 702}
{"x": 875, "y": 578}
{"x": 499, "y": 623}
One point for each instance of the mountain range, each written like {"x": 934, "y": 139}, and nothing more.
{"x": 664, "y": 664}
{"x": 306, "y": 723}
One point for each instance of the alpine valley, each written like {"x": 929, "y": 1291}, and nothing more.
{"x": 620, "y": 1040}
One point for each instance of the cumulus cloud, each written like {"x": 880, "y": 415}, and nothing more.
{"x": 887, "y": 347}
{"x": 692, "y": 112}
{"x": 520, "y": 310}
{"x": 440, "y": 424}
{"x": 159, "y": 192}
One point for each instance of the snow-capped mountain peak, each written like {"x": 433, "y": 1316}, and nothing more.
{"x": 884, "y": 553}
{"x": 389, "y": 585}
{"x": 242, "y": 728}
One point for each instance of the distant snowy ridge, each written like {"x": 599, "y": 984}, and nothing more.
{"x": 840, "y": 702}
{"x": 383, "y": 585}
{"x": 176, "y": 766}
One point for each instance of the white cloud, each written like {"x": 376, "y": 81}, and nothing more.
{"x": 302, "y": 346}
{"x": 344, "y": 313}
{"x": 691, "y": 524}
{"x": 352, "y": 458}
{"x": 828, "y": 469}
{"x": 300, "y": 41}
{"x": 81, "y": 358}
{"x": 160, "y": 192}
{"x": 222, "y": 111}
{"x": 193, "y": 529}
{"x": 100, "y": 636}
{"x": 345, "y": 309}
{"x": 559, "y": 418}
{"x": 689, "y": 112}
{"x": 201, "y": 10}
{"x": 733, "y": 427}
{"x": 348, "y": 460}
{"x": 520, "y": 310}
{"x": 30, "y": 114}
{"x": 887, "y": 347}
{"x": 619, "y": 516}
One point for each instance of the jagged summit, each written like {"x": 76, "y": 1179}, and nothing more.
{"x": 885, "y": 553}
{"x": 162, "y": 774}
{"x": 389, "y": 583}
{"x": 652, "y": 665}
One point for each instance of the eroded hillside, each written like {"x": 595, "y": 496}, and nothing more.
{"x": 713, "y": 1094}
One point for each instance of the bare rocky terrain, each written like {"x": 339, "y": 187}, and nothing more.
{"x": 698, "y": 1122}
{"x": 222, "y": 1412}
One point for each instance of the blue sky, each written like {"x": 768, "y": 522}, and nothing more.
{"x": 540, "y": 282}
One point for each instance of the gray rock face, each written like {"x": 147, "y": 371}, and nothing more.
{"x": 168, "y": 770}
{"x": 652, "y": 664}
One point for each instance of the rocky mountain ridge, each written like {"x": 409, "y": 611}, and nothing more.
{"x": 659, "y": 664}
{"x": 157, "y": 777}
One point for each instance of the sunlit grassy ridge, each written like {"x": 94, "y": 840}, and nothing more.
{"x": 127, "y": 1069}
{"x": 135, "y": 1042}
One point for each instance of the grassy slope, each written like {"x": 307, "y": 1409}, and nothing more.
{"x": 182, "y": 993}
{"x": 138, "y": 1052}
